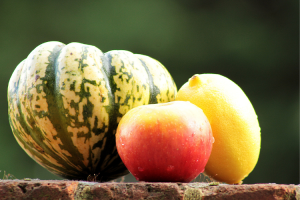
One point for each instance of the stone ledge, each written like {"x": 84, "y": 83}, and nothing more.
{"x": 56, "y": 189}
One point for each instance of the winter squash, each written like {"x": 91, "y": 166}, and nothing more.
{"x": 65, "y": 103}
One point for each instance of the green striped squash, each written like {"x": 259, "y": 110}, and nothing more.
{"x": 65, "y": 103}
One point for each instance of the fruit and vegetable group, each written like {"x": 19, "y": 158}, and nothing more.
{"x": 165, "y": 142}
{"x": 65, "y": 102}
{"x": 234, "y": 125}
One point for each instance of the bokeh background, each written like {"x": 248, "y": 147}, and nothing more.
{"x": 255, "y": 43}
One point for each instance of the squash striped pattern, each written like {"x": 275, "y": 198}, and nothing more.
{"x": 65, "y": 103}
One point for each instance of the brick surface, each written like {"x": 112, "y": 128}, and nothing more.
{"x": 51, "y": 189}
{"x": 37, "y": 189}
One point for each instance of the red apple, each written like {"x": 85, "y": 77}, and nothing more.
{"x": 167, "y": 142}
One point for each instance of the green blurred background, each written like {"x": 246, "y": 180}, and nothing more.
{"x": 252, "y": 42}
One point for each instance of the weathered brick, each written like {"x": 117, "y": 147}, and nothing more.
{"x": 57, "y": 189}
